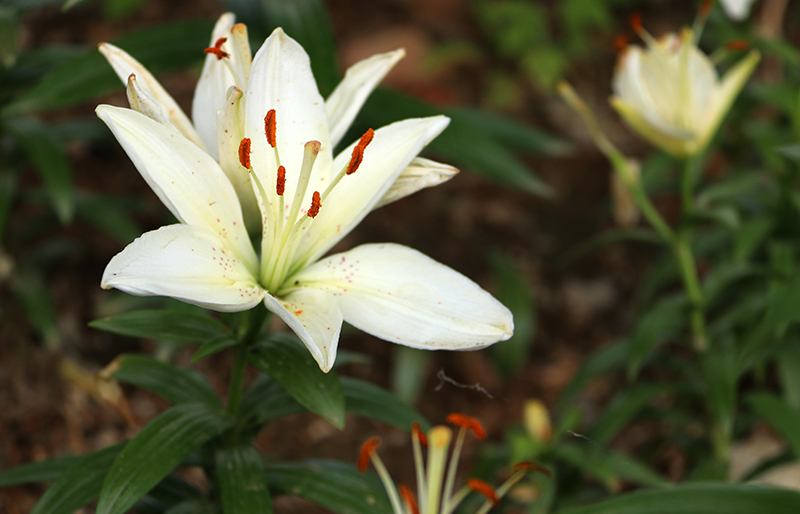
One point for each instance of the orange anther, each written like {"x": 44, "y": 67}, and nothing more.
{"x": 621, "y": 43}
{"x": 217, "y": 49}
{"x": 367, "y": 449}
{"x": 485, "y": 489}
{"x": 270, "y": 126}
{"x": 281, "y": 185}
{"x": 358, "y": 152}
{"x": 408, "y": 497}
{"x": 705, "y": 7}
{"x": 468, "y": 422}
{"x": 737, "y": 44}
{"x": 244, "y": 152}
{"x": 636, "y": 22}
{"x": 417, "y": 432}
{"x": 315, "y": 205}
{"x": 532, "y": 466}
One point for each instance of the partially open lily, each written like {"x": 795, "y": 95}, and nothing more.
{"x": 217, "y": 109}
{"x": 280, "y": 133}
{"x": 671, "y": 93}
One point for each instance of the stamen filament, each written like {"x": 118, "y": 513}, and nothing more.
{"x": 439, "y": 438}
{"x": 418, "y": 438}
{"x": 452, "y": 470}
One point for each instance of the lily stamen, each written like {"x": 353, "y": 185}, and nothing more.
{"x": 485, "y": 489}
{"x": 408, "y": 497}
{"x": 367, "y": 455}
{"x": 280, "y": 186}
{"x": 636, "y": 24}
{"x": 217, "y": 49}
{"x": 315, "y": 205}
{"x": 244, "y": 153}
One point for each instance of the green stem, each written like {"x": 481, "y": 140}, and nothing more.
{"x": 687, "y": 188}
{"x": 236, "y": 387}
{"x": 683, "y": 252}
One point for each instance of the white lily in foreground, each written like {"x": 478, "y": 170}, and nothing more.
{"x": 280, "y": 132}
{"x": 671, "y": 93}
{"x": 217, "y": 109}
{"x": 436, "y": 493}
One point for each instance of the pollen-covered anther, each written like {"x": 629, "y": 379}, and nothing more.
{"x": 271, "y": 127}
{"x": 358, "y": 152}
{"x": 280, "y": 186}
{"x": 528, "y": 466}
{"x": 636, "y": 22}
{"x": 416, "y": 432}
{"x": 485, "y": 489}
{"x": 244, "y": 153}
{"x": 705, "y": 7}
{"x": 367, "y": 449}
{"x": 217, "y": 49}
{"x": 737, "y": 44}
{"x": 621, "y": 42}
{"x": 316, "y": 203}
{"x": 469, "y": 423}
{"x": 409, "y": 498}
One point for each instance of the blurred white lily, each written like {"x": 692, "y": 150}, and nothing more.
{"x": 737, "y": 9}
{"x": 436, "y": 493}
{"x": 217, "y": 109}
{"x": 281, "y": 133}
{"x": 671, "y": 93}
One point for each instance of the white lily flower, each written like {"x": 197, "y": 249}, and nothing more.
{"x": 671, "y": 93}
{"x": 308, "y": 200}
{"x": 737, "y": 9}
{"x": 218, "y": 116}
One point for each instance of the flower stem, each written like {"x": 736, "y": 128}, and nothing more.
{"x": 683, "y": 252}
{"x": 236, "y": 387}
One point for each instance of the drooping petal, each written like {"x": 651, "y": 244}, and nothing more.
{"x": 125, "y": 65}
{"x": 351, "y": 93}
{"x": 215, "y": 80}
{"x": 401, "y": 295}
{"x": 281, "y": 79}
{"x": 185, "y": 178}
{"x": 419, "y": 174}
{"x": 315, "y": 317}
{"x": 188, "y": 263}
{"x": 391, "y": 150}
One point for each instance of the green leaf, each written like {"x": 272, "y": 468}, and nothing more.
{"x": 193, "y": 506}
{"x": 605, "y": 360}
{"x": 167, "y": 46}
{"x": 78, "y": 485}
{"x": 699, "y": 499}
{"x": 633, "y": 470}
{"x": 213, "y": 347}
{"x": 242, "y": 483}
{"x": 155, "y": 451}
{"x": 663, "y": 321}
{"x": 515, "y": 293}
{"x": 50, "y": 161}
{"x": 38, "y": 472}
{"x": 175, "y": 384}
{"x": 780, "y": 415}
{"x": 791, "y": 152}
{"x": 409, "y": 368}
{"x": 266, "y": 400}
{"x": 624, "y": 407}
{"x": 177, "y": 325}
{"x": 9, "y": 36}
{"x": 369, "y": 400}
{"x": 110, "y": 214}
{"x": 463, "y": 143}
{"x": 284, "y": 358}
{"x": 8, "y": 192}
{"x": 789, "y": 372}
{"x": 334, "y": 485}
{"x": 31, "y": 289}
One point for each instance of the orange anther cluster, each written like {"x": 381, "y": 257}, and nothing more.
{"x": 468, "y": 422}
{"x": 281, "y": 185}
{"x": 705, "y": 7}
{"x": 532, "y": 466}
{"x": 408, "y": 497}
{"x": 244, "y": 152}
{"x": 417, "y": 432}
{"x": 621, "y": 42}
{"x": 636, "y": 22}
{"x": 358, "y": 152}
{"x": 270, "y": 126}
{"x": 485, "y": 489}
{"x": 737, "y": 44}
{"x": 217, "y": 49}
{"x": 315, "y": 205}
{"x": 367, "y": 449}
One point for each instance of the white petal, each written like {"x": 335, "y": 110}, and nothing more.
{"x": 737, "y": 9}
{"x": 391, "y": 150}
{"x": 125, "y": 65}
{"x": 191, "y": 264}
{"x": 141, "y": 101}
{"x": 281, "y": 79}
{"x": 400, "y": 295}
{"x": 419, "y": 174}
{"x": 212, "y": 88}
{"x": 185, "y": 178}
{"x": 315, "y": 317}
{"x": 351, "y": 93}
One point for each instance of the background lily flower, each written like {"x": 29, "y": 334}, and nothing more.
{"x": 218, "y": 115}
{"x": 308, "y": 201}
{"x": 737, "y": 9}
{"x": 671, "y": 93}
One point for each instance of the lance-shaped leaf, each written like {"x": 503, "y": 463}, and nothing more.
{"x": 156, "y": 450}
{"x": 242, "y": 483}
{"x": 176, "y": 325}
{"x": 368, "y": 400}
{"x": 38, "y": 472}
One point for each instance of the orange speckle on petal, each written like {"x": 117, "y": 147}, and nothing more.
{"x": 298, "y": 312}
